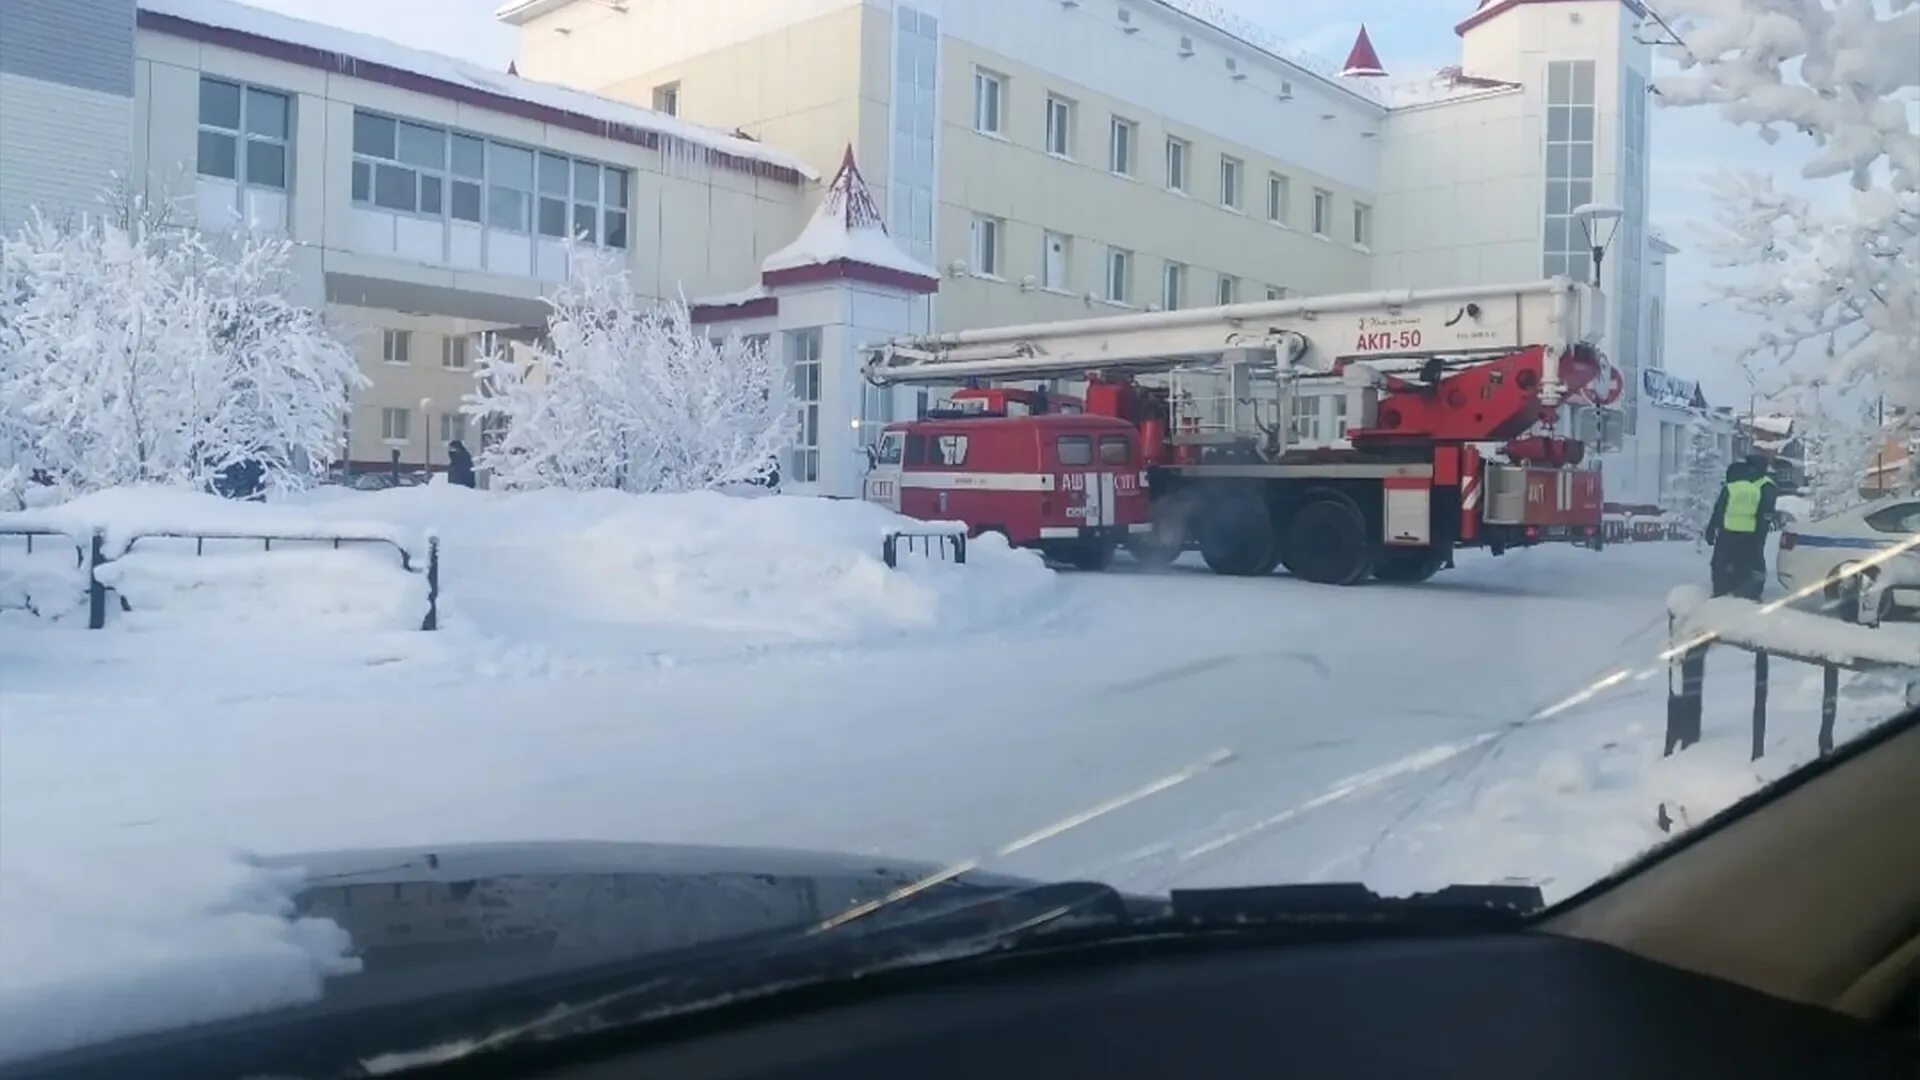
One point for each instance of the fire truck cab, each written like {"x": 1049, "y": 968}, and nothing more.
{"x": 1071, "y": 485}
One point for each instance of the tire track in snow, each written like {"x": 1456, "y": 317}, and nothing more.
{"x": 1345, "y": 789}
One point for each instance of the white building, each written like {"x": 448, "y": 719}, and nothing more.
{"x": 1043, "y": 159}
{"x": 66, "y": 105}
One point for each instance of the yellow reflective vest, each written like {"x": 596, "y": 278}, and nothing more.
{"x": 1743, "y": 505}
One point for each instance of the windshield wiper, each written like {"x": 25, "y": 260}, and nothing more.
{"x": 1352, "y": 905}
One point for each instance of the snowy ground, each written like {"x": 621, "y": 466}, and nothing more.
{"x": 740, "y": 673}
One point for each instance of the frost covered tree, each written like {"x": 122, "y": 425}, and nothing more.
{"x": 1693, "y": 489}
{"x": 1845, "y": 74}
{"x": 135, "y": 352}
{"x": 620, "y": 396}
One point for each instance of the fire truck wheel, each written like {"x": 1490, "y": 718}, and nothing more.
{"x": 1407, "y": 564}
{"x": 1327, "y": 542}
{"x": 1236, "y": 537}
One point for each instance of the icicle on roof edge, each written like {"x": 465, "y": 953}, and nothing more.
{"x": 848, "y": 227}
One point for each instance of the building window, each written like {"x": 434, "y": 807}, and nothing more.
{"x": 1059, "y": 126}
{"x": 1362, "y": 225}
{"x": 1120, "y": 147}
{"x": 396, "y": 346}
{"x": 1276, "y": 292}
{"x": 244, "y": 134}
{"x": 1173, "y": 280}
{"x": 987, "y": 235}
{"x": 453, "y": 426}
{"x": 1322, "y": 212}
{"x": 1229, "y": 290}
{"x": 1119, "y": 276}
{"x": 393, "y": 424}
{"x": 803, "y": 357}
{"x": 1177, "y": 151}
{"x": 666, "y": 99}
{"x": 1230, "y": 171}
{"x": 1656, "y": 333}
{"x": 1279, "y": 194}
{"x": 453, "y": 351}
{"x": 1570, "y": 144}
{"x": 419, "y": 169}
{"x": 1303, "y": 419}
{"x": 989, "y": 93}
{"x": 1055, "y": 249}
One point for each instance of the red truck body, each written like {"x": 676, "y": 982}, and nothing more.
{"x": 1071, "y": 485}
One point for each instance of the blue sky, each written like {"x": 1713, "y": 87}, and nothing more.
{"x": 1412, "y": 36}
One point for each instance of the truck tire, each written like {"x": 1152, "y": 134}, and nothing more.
{"x": 1173, "y": 520}
{"x": 1326, "y": 542}
{"x": 1092, "y": 556}
{"x": 1236, "y": 536}
{"x": 1407, "y": 565}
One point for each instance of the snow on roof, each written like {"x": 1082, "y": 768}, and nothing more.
{"x": 228, "y": 15}
{"x": 847, "y": 227}
{"x": 1259, "y": 39}
{"x": 1447, "y": 84}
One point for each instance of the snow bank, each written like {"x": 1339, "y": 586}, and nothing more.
{"x": 128, "y": 512}
{"x": 605, "y": 574}
{"x": 1560, "y": 804}
{"x": 349, "y": 589}
{"x": 99, "y": 945}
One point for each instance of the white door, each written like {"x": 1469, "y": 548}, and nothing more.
{"x": 883, "y": 480}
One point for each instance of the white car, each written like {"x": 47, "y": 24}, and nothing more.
{"x": 1819, "y": 551}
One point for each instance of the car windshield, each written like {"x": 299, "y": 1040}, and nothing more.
{"x": 539, "y": 479}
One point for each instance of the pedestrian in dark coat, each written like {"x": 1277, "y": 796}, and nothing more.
{"x": 459, "y": 464}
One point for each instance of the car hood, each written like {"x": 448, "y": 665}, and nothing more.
{"x": 486, "y": 911}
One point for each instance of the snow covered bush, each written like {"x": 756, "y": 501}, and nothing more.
{"x": 135, "y": 352}
{"x": 1845, "y": 74}
{"x": 629, "y": 398}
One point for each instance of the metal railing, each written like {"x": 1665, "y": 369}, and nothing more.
{"x": 92, "y": 555}
{"x": 930, "y": 544}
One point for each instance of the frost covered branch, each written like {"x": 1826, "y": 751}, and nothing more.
{"x": 143, "y": 353}
{"x": 621, "y": 397}
{"x": 1846, "y": 74}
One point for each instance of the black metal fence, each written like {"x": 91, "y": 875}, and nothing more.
{"x": 1686, "y": 688}
{"x": 929, "y": 544}
{"x": 91, "y": 552}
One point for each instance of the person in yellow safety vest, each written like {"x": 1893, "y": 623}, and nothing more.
{"x": 1738, "y": 529}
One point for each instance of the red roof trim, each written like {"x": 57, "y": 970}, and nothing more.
{"x": 1499, "y": 6}
{"x": 352, "y": 67}
{"x": 851, "y": 270}
{"x": 758, "y": 308}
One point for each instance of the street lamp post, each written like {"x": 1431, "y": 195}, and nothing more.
{"x": 426, "y": 431}
{"x": 1600, "y": 222}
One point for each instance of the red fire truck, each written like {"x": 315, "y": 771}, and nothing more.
{"x": 1028, "y": 465}
{"x": 1340, "y": 436}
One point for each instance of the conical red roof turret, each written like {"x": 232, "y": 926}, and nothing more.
{"x": 1362, "y": 61}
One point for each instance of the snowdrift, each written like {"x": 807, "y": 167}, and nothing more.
{"x": 555, "y": 579}
{"x": 601, "y": 577}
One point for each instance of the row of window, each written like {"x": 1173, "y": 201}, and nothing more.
{"x": 396, "y": 347}
{"x": 1056, "y": 265}
{"x": 245, "y": 136}
{"x": 396, "y": 425}
{"x": 414, "y": 168}
{"x": 1123, "y": 138}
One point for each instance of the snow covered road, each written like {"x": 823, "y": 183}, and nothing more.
{"x": 1151, "y": 730}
